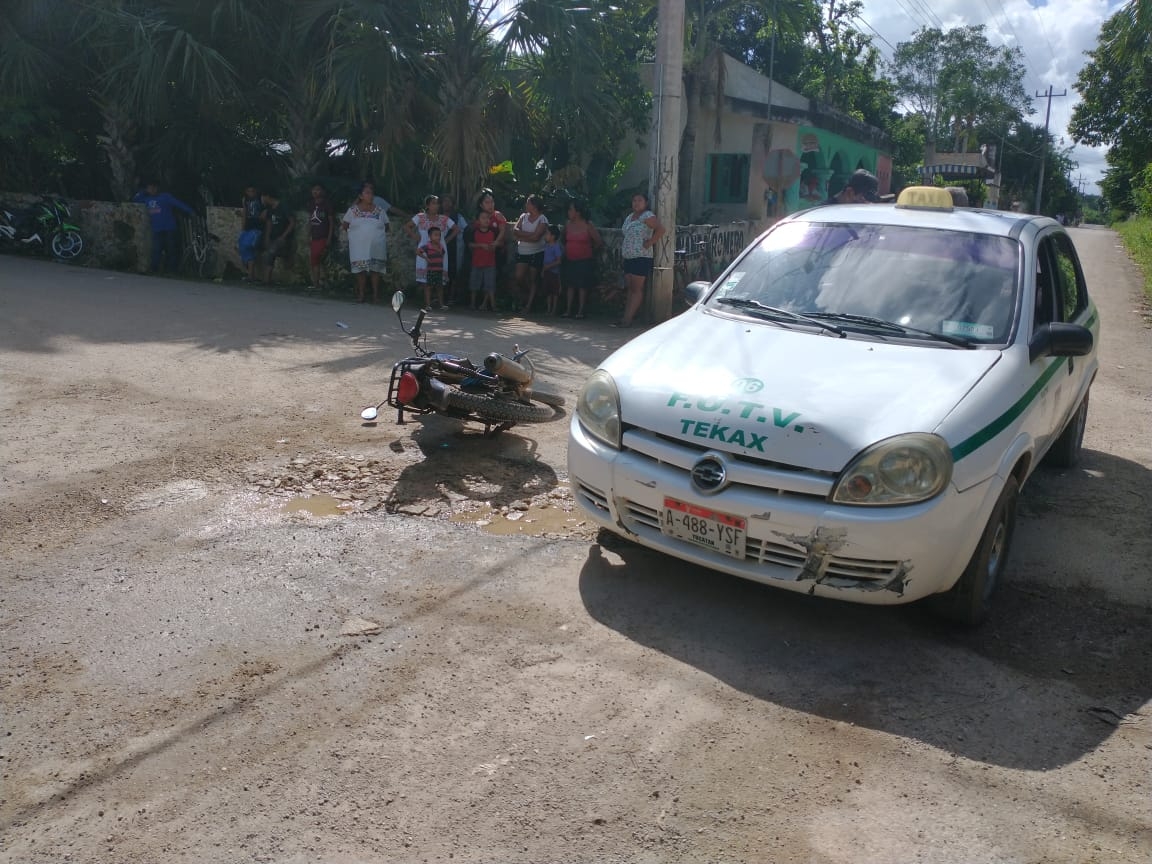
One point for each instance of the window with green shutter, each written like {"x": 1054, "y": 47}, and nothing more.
{"x": 728, "y": 178}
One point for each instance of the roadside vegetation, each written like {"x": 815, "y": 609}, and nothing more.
{"x": 451, "y": 95}
{"x": 1137, "y": 236}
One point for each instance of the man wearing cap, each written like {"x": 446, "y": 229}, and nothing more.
{"x": 861, "y": 188}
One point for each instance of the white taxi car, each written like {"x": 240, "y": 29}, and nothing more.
{"x": 851, "y": 409}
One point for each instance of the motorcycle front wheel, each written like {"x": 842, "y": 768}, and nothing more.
{"x": 67, "y": 245}
{"x": 500, "y": 410}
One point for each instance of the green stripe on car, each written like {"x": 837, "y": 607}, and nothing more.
{"x": 975, "y": 442}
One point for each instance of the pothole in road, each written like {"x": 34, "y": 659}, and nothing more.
{"x": 507, "y": 496}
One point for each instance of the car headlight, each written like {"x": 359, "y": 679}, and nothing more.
{"x": 905, "y": 469}
{"x": 598, "y": 408}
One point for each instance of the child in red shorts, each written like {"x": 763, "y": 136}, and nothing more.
{"x": 433, "y": 254}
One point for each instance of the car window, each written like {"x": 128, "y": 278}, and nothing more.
{"x": 1070, "y": 278}
{"x": 1047, "y": 284}
{"x": 953, "y": 283}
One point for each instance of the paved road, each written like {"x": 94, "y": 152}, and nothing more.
{"x": 177, "y": 687}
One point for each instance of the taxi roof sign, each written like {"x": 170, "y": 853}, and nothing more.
{"x": 925, "y": 198}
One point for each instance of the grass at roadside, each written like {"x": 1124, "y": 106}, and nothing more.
{"x": 1137, "y": 237}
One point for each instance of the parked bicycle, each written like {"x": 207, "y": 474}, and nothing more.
{"x": 199, "y": 256}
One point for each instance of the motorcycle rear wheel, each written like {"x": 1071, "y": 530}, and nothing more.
{"x": 500, "y": 410}
{"x": 67, "y": 245}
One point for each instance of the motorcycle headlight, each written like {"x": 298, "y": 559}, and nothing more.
{"x": 905, "y": 469}
{"x": 598, "y": 408}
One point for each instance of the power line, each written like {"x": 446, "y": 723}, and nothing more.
{"x": 1006, "y": 23}
{"x": 928, "y": 11}
{"x": 1044, "y": 32}
{"x": 879, "y": 36}
{"x": 913, "y": 14}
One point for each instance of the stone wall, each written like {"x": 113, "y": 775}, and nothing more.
{"x": 117, "y": 236}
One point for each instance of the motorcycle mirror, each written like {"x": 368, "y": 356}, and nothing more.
{"x": 397, "y": 302}
{"x": 369, "y": 413}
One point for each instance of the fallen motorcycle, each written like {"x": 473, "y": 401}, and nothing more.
{"x": 499, "y": 393}
{"x": 42, "y": 227}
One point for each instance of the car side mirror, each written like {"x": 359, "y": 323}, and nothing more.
{"x": 1060, "y": 340}
{"x": 695, "y": 290}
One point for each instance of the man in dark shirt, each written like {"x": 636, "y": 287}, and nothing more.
{"x": 279, "y": 223}
{"x": 321, "y": 226}
{"x": 862, "y": 188}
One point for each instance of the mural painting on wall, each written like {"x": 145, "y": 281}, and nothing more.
{"x": 773, "y": 170}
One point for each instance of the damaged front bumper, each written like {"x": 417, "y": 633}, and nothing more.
{"x": 877, "y": 555}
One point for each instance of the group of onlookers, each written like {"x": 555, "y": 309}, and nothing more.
{"x": 458, "y": 259}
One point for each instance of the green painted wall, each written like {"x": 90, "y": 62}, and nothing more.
{"x": 831, "y": 162}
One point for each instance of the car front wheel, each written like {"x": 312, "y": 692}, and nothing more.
{"x": 970, "y": 599}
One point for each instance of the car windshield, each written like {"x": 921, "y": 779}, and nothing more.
{"x": 952, "y": 284}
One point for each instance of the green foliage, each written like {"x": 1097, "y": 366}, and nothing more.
{"x": 216, "y": 94}
{"x": 959, "y": 83}
{"x": 976, "y": 190}
{"x": 907, "y": 133}
{"x": 1116, "y": 103}
{"x": 1136, "y": 234}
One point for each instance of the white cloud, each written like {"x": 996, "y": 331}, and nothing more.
{"x": 1053, "y": 34}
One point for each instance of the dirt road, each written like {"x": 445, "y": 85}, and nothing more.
{"x": 176, "y": 686}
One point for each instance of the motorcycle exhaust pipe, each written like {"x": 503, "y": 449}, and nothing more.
{"x": 497, "y": 364}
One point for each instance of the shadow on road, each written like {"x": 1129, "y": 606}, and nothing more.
{"x": 1041, "y": 685}
{"x": 460, "y": 463}
{"x": 42, "y": 303}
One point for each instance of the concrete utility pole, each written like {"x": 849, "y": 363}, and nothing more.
{"x": 665, "y": 171}
{"x": 1044, "y": 143}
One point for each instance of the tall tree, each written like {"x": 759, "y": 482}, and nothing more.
{"x": 1116, "y": 102}
{"x": 959, "y": 83}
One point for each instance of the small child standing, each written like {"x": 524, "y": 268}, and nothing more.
{"x": 432, "y": 253}
{"x": 417, "y": 229}
{"x": 553, "y": 252}
{"x": 481, "y": 238}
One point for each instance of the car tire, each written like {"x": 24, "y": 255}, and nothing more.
{"x": 1065, "y": 453}
{"x": 969, "y": 600}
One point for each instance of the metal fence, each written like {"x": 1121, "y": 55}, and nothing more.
{"x": 725, "y": 242}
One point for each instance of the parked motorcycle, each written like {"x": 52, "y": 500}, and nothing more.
{"x": 43, "y": 226}
{"x": 499, "y": 393}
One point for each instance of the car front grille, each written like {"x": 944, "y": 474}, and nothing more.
{"x": 834, "y": 569}
{"x": 762, "y": 475}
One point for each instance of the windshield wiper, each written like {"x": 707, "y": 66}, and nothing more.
{"x": 776, "y": 313}
{"x": 892, "y": 326}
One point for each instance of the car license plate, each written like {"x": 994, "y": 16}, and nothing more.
{"x": 720, "y": 532}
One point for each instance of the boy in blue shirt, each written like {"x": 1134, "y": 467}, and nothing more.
{"x": 160, "y": 206}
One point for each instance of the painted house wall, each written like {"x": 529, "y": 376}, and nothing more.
{"x": 744, "y": 129}
{"x": 829, "y": 159}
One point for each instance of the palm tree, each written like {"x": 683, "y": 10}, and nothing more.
{"x": 1133, "y": 34}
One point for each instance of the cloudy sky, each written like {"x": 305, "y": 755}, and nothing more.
{"x": 1053, "y": 34}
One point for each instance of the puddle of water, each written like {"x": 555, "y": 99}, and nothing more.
{"x": 532, "y": 522}
{"x": 319, "y": 505}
